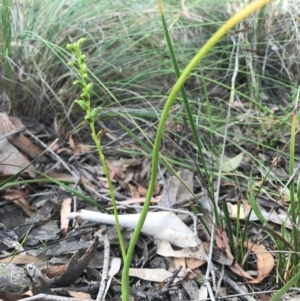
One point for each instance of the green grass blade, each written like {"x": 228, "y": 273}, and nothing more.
{"x": 155, "y": 158}
{"x": 74, "y": 191}
{"x": 293, "y": 201}
{"x": 228, "y": 226}
{"x": 254, "y": 206}
{"x": 189, "y": 112}
{"x": 286, "y": 287}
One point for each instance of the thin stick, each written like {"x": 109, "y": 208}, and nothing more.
{"x": 237, "y": 288}
{"x": 13, "y": 132}
{"x": 104, "y": 278}
{"x": 45, "y": 297}
{"x": 209, "y": 261}
{"x": 53, "y": 154}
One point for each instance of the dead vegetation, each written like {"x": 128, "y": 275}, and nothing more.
{"x": 43, "y": 180}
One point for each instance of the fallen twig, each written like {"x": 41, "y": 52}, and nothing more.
{"x": 45, "y": 297}
{"x": 103, "y": 283}
{"x": 237, "y": 288}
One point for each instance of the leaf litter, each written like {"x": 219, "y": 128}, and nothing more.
{"x": 168, "y": 238}
{"x": 173, "y": 239}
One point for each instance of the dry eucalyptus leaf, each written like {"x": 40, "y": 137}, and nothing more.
{"x": 64, "y": 177}
{"x": 133, "y": 191}
{"x": 80, "y": 295}
{"x": 245, "y": 208}
{"x": 77, "y": 146}
{"x": 114, "y": 269}
{"x": 223, "y": 246}
{"x": 19, "y": 198}
{"x": 20, "y": 259}
{"x": 174, "y": 191}
{"x": 218, "y": 255}
{"x": 164, "y": 249}
{"x": 179, "y": 261}
{"x": 237, "y": 269}
{"x": 231, "y": 164}
{"x": 64, "y": 211}
{"x": 265, "y": 261}
{"x": 194, "y": 263}
{"x": 155, "y": 275}
{"x": 115, "y": 171}
{"x": 221, "y": 240}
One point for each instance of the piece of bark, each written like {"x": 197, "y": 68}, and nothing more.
{"x": 12, "y": 160}
{"x": 10, "y": 125}
{"x": 70, "y": 272}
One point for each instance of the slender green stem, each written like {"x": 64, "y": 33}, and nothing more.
{"x": 228, "y": 227}
{"x": 286, "y": 287}
{"x": 91, "y": 114}
{"x": 111, "y": 189}
{"x": 293, "y": 207}
{"x": 189, "y": 112}
{"x": 155, "y": 158}
{"x": 6, "y": 22}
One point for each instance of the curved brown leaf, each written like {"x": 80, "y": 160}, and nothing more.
{"x": 265, "y": 261}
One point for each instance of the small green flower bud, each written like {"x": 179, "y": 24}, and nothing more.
{"x": 84, "y": 96}
{"x": 81, "y": 41}
{"x": 82, "y": 57}
{"x": 89, "y": 88}
{"x": 78, "y": 83}
{"x": 88, "y": 119}
{"x": 70, "y": 47}
{"x": 83, "y": 68}
{"x": 82, "y": 104}
{"x": 101, "y": 133}
{"x": 95, "y": 112}
{"x": 75, "y": 65}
